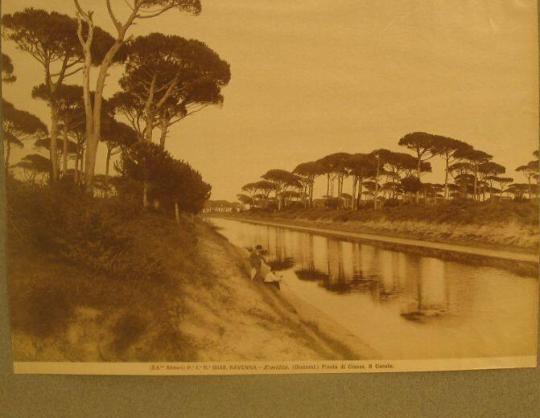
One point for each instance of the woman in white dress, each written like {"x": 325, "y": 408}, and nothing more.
{"x": 260, "y": 270}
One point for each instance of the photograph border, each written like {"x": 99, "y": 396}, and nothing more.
{"x": 490, "y": 393}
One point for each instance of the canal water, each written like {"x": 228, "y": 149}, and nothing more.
{"x": 404, "y": 306}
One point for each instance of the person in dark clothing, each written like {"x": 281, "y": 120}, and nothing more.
{"x": 260, "y": 270}
{"x": 255, "y": 260}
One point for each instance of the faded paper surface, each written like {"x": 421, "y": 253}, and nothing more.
{"x": 376, "y": 274}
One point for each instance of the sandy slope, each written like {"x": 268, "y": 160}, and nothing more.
{"x": 210, "y": 311}
{"x": 242, "y": 320}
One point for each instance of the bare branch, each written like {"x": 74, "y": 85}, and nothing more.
{"x": 73, "y": 72}
{"x": 79, "y": 29}
{"x": 48, "y": 78}
{"x": 117, "y": 24}
{"x": 168, "y": 93}
{"x": 174, "y": 121}
{"x": 85, "y": 43}
{"x": 129, "y": 5}
{"x": 79, "y": 8}
{"x": 75, "y": 62}
{"x": 62, "y": 73}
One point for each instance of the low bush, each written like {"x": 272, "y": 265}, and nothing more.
{"x": 452, "y": 212}
{"x": 98, "y": 279}
{"x": 392, "y": 203}
{"x": 64, "y": 223}
{"x": 332, "y": 203}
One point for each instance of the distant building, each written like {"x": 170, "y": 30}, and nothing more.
{"x": 221, "y": 206}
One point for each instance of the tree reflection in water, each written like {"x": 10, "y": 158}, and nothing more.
{"x": 428, "y": 296}
{"x": 417, "y": 283}
{"x": 398, "y": 301}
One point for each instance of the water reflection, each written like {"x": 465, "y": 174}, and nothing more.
{"x": 391, "y": 283}
{"x": 380, "y": 294}
{"x": 426, "y": 289}
{"x": 387, "y": 275}
{"x": 342, "y": 267}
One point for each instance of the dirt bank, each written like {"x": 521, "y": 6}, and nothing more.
{"x": 492, "y": 237}
{"x": 203, "y": 308}
{"x": 242, "y": 320}
{"x": 508, "y": 225}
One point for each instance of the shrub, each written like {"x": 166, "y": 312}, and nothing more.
{"x": 392, "y": 203}
{"x": 295, "y": 205}
{"x": 170, "y": 181}
{"x": 411, "y": 184}
{"x": 63, "y": 222}
{"x": 332, "y": 203}
{"x": 366, "y": 204}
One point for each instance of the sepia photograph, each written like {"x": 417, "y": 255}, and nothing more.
{"x": 270, "y": 187}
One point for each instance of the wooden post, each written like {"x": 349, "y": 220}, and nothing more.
{"x": 176, "y": 212}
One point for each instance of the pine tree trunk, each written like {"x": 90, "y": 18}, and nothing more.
{"x": 146, "y": 203}
{"x": 94, "y": 114}
{"x": 475, "y": 183}
{"x": 53, "y": 151}
{"x": 90, "y": 162}
{"x": 418, "y": 170}
{"x": 107, "y": 163}
{"x": 163, "y": 134}
{"x": 81, "y": 165}
{"x": 148, "y": 112}
{"x": 328, "y": 185}
{"x": 89, "y": 119}
{"x": 92, "y": 145}
{"x": 341, "y": 202}
{"x": 148, "y": 130}
{"x": 8, "y": 153}
{"x": 353, "y": 198}
{"x": 65, "y": 152}
{"x": 376, "y": 200}
{"x": 360, "y": 190}
{"x": 77, "y": 158}
{"x": 176, "y": 212}
{"x": 446, "y": 179}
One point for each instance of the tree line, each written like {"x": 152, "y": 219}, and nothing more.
{"x": 389, "y": 177}
{"x": 165, "y": 78}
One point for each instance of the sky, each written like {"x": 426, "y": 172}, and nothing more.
{"x": 316, "y": 77}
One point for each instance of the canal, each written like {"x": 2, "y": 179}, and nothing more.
{"x": 403, "y": 305}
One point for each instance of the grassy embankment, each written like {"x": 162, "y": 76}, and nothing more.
{"x": 503, "y": 225}
{"x": 101, "y": 280}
